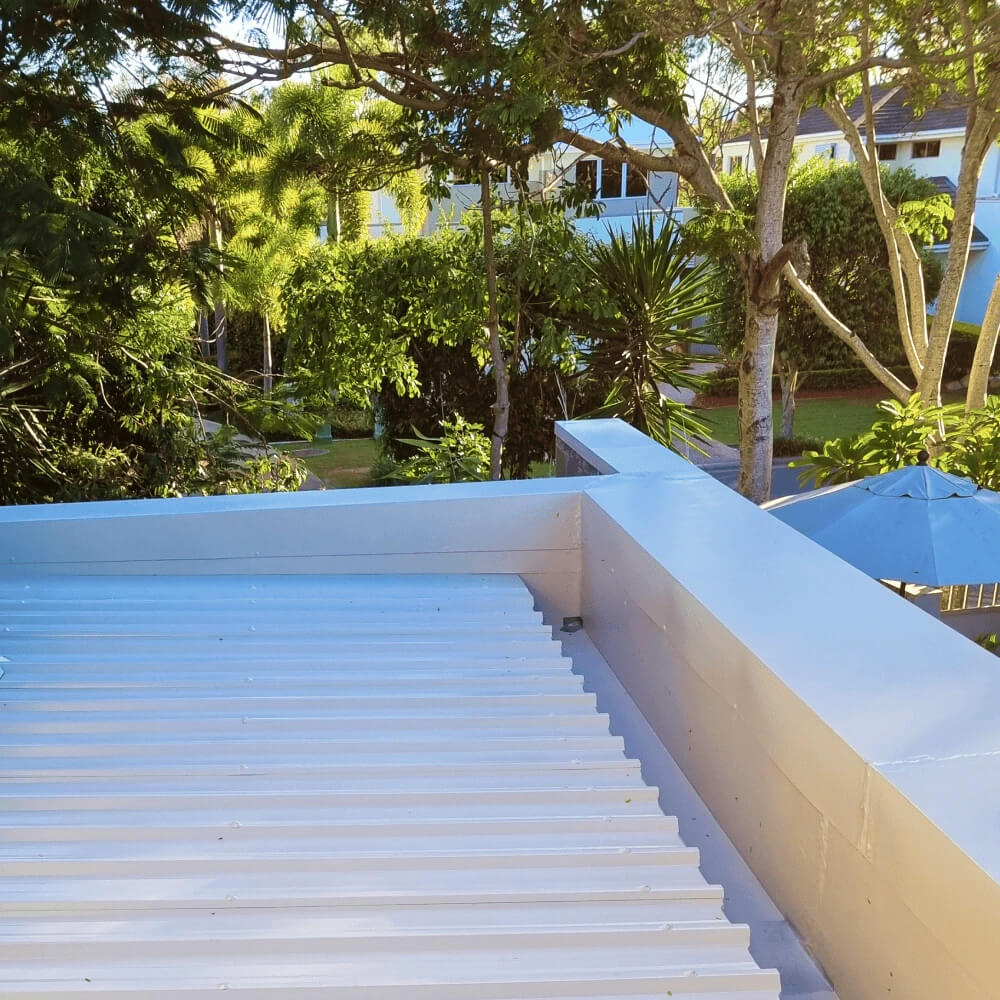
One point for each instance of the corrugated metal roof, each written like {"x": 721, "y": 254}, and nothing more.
{"x": 380, "y": 787}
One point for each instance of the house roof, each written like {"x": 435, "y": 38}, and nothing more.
{"x": 377, "y": 785}
{"x": 894, "y": 117}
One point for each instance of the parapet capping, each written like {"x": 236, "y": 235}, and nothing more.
{"x": 847, "y": 742}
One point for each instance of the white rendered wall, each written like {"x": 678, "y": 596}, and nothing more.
{"x": 984, "y": 265}
{"x": 848, "y": 743}
{"x": 530, "y": 528}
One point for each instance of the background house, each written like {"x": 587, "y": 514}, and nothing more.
{"x": 623, "y": 192}
{"x": 930, "y": 144}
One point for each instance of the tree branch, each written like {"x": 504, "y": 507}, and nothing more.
{"x": 895, "y": 385}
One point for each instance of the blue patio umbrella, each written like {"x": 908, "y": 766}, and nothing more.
{"x": 914, "y": 525}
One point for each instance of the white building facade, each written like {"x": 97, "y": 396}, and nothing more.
{"x": 622, "y": 192}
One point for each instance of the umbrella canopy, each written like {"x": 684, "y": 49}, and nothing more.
{"x": 917, "y": 525}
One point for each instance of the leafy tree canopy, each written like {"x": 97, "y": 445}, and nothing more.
{"x": 100, "y": 381}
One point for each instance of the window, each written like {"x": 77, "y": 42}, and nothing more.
{"x": 735, "y": 164}
{"x": 828, "y": 150}
{"x": 923, "y": 150}
{"x": 635, "y": 182}
{"x": 887, "y": 151}
{"x": 611, "y": 180}
{"x": 586, "y": 176}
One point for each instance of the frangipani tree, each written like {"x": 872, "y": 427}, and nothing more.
{"x": 954, "y": 57}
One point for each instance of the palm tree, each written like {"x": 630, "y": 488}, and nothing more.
{"x": 655, "y": 290}
{"x": 209, "y": 154}
{"x": 342, "y": 140}
{"x": 265, "y": 246}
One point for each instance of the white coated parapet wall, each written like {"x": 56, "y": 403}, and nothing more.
{"x": 847, "y": 742}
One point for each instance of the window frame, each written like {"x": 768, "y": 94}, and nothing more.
{"x": 616, "y": 168}
{"x": 590, "y": 165}
{"x": 926, "y": 149}
{"x": 643, "y": 176}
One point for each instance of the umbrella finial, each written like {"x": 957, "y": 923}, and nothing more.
{"x": 922, "y": 457}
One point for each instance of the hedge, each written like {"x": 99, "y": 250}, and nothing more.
{"x": 724, "y": 382}
{"x": 961, "y": 348}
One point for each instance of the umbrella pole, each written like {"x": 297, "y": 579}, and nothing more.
{"x": 902, "y": 589}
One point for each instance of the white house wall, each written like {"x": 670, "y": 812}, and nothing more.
{"x": 846, "y": 741}
{"x": 549, "y": 169}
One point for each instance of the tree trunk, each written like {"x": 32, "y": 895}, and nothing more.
{"x": 221, "y": 354}
{"x": 895, "y": 385}
{"x": 905, "y": 267}
{"x": 978, "y": 140}
{"x": 332, "y": 217}
{"x": 788, "y": 375}
{"x": 204, "y": 335}
{"x": 268, "y": 374}
{"x": 982, "y": 361}
{"x": 762, "y": 274}
{"x": 501, "y": 408}
{"x": 754, "y": 403}
{"x": 219, "y": 330}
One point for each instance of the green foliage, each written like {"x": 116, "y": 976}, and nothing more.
{"x": 657, "y": 291}
{"x": 461, "y": 454}
{"x": 828, "y": 205}
{"x": 966, "y": 444}
{"x": 101, "y": 265}
{"x": 350, "y": 422}
{"x": 345, "y": 143}
{"x": 724, "y": 381}
{"x": 354, "y": 309}
{"x": 795, "y": 446}
{"x": 403, "y": 318}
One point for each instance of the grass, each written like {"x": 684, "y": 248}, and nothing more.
{"x": 347, "y": 463}
{"x": 340, "y": 464}
{"x": 818, "y": 419}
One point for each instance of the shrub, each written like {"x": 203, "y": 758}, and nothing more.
{"x": 350, "y": 422}
{"x": 793, "y": 447}
{"x": 968, "y": 446}
{"x": 461, "y": 454}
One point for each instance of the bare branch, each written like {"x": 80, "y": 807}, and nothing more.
{"x": 620, "y": 51}
{"x": 895, "y": 385}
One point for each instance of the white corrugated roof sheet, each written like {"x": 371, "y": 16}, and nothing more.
{"x": 389, "y": 788}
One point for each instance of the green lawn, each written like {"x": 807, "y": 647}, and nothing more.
{"x": 818, "y": 419}
{"x": 347, "y": 463}
{"x": 340, "y": 464}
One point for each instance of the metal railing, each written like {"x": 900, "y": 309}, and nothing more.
{"x": 970, "y": 597}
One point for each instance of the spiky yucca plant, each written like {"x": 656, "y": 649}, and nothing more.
{"x": 655, "y": 291}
